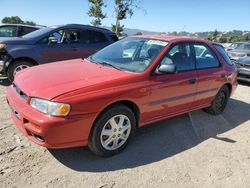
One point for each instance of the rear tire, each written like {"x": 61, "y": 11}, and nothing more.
{"x": 219, "y": 103}
{"x": 16, "y": 66}
{"x": 112, "y": 131}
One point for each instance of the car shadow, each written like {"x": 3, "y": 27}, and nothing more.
{"x": 161, "y": 140}
{"x": 4, "y": 81}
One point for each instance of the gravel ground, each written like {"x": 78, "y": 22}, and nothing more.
{"x": 192, "y": 150}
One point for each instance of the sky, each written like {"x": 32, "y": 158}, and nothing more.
{"x": 155, "y": 15}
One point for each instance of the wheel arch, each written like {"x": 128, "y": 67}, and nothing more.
{"x": 25, "y": 59}
{"x": 229, "y": 86}
{"x": 130, "y": 104}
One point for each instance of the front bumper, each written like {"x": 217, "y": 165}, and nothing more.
{"x": 47, "y": 131}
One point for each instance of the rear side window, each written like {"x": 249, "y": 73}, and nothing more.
{"x": 205, "y": 57}
{"x": 93, "y": 37}
{"x": 222, "y": 52}
{"x": 26, "y": 30}
{"x": 8, "y": 31}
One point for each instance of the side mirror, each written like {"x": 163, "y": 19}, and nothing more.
{"x": 52, "y": 40}
{"x": 165, "y": 69}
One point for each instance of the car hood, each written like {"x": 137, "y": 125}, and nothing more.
{"x": 51, "y": 80}
{"x": 15, "y": 40}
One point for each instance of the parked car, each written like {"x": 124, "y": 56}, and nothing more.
{"x": 243, "y": 66}
{"x": 102, "y": 100}
{"x": 52, "y": 44}
{"x": 16, "y": 30}
{"x": 241, "y": 51}
{"x": 233, "y": 46}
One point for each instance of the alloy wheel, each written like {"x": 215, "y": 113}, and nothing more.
{"x": 115, "y": 132}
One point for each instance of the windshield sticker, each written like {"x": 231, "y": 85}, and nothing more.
{"x": 157, "y": 42}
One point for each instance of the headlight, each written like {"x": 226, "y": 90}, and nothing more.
{"x": 2, "y": 46}
{"x": 50, "y": 108}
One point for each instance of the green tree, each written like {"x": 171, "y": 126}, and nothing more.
{"x": 12, "y": 20}
{"x": 215, "y": 34}
{"x": 16, "y": 20}
{"x": 95, "y": 10}
{"x": 236, "y": 39}
{"x": 246, "y": 38}
{"x": 29, "y": 23}
{"x": 123, "y": 9}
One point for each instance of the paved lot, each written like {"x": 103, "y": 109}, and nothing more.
{"x": 192, "y": 150}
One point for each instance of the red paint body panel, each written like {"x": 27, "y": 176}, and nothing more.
{"x": 90, "y": 88}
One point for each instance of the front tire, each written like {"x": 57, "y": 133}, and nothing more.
{"x": 112, "y": 131}
{"x": 17, "y": 66}
{"x": 220, "y": 101}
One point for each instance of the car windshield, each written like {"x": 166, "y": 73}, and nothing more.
{"x": 243, "y": 47}
{"x": 37, "y": 33}
{"x": 130, "y": 54}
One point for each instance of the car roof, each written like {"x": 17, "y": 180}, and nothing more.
{"x": 81, "y": 26}
{"x": 24, "y": 25}
{"x": 170, "y": 38}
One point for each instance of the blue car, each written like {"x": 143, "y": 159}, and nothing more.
{"x": 51, "y": 44}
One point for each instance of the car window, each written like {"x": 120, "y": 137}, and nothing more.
{"x": 38, "y": 32}
{"x": 243, "y": 47}
{"x": 8, "y": 31}
{"x": 206, "y": 58}
{"x": 66, "y": 36}
{"x": 26, "y": 30}
{"x": 70, "y": 36}
{"x": 92, "y": 37}
{"x": 130, "y": 54}
{"x": 224, "y": 54}
{"x": 57, "y": 35}
{"x": 181, "y": 56}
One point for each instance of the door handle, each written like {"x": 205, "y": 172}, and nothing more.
{"x": 192, "y": 81}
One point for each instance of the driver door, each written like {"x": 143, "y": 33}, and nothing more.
{"x": 173, "y": 94}
{"x": 67, "y": 47}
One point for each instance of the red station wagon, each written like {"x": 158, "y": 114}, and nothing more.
{"x": 102, "y": 100}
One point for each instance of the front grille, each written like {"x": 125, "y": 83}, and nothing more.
{"x": 20, "y": 92}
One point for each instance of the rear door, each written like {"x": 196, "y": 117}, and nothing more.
{"x": 172, "y": 94}
{"x": 209, "y": 74}
{"x": 92, "y": 41}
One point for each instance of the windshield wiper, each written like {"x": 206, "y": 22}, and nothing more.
{"x": 109, "y": 64}
{"x": 104, "y": 63}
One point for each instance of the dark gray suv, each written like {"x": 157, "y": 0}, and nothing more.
{"x": 52, "y": 44}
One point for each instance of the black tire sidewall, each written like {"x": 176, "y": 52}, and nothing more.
{"x": 12, "y": 67}
{"x": 225, "y": 90}
{"x": 94, "y": 139}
